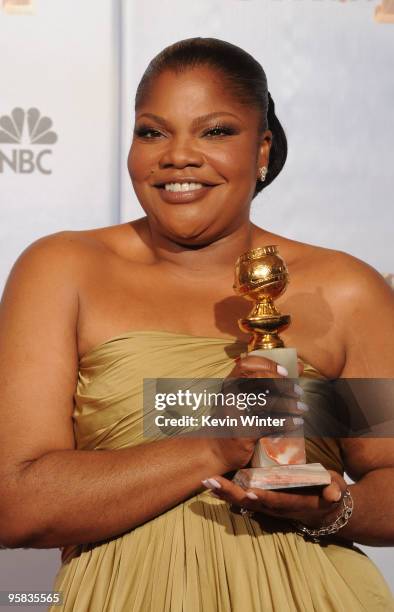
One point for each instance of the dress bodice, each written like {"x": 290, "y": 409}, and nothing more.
{"x": 109, "y": 412}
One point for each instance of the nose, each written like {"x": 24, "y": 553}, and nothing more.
{"x": 180, "y": 153}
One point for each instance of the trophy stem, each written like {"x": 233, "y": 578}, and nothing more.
{"x": 264, "y": 307}
{"x": 264, "y": 341}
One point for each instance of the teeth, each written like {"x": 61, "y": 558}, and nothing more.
{"x": 182, "y": 186}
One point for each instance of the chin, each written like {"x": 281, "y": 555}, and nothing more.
{"x": 190, "y": 229}
{"x": 190, "y": 237}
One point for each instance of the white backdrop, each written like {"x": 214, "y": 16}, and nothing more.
{"x": 329, "y": 67}
{"x": 63, "y": 60}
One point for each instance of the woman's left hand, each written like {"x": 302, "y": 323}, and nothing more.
{"x": 312, "y": 510}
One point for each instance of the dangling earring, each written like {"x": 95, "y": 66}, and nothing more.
{"x": 263, "y": 173}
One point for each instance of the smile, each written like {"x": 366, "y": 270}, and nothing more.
{"x": 184, "y": 192}
{"x": 182, "y": 186}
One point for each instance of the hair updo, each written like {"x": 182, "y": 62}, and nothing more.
{"x": 244, "y": 77}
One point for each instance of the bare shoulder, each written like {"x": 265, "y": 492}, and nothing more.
{"x": 362, "y": 303}
{"x": 50, "y": 259}
{"x": 350, "y": 285}
{"x": 339, "y": 298}
{"x": 347, "y": 277}
{"x": 339, "y": 272}
{"x": 69, "y": 254}
{"x": 64, "y": 247}
{"x": 75, "y": 242}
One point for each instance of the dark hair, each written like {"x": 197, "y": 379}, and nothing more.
{"x": 245, "y": 78}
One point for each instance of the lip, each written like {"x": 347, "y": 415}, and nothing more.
{"x": 184, "y": 197}
{"x": 183, "y": 179}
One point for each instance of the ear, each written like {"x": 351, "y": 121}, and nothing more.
{"x": 265, "y": 144}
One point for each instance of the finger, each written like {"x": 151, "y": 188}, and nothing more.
{"x": 274, "y": 503}
{"x": 272, "y": 500}
{"x": 278, "y": 503}
{"x": 288, "y": 504}
{"x": 333, "y": 492}
{"x": 256, "y": 363}
{"x": 276, "y": 425}
{"x": 275, "y": 387}
{"x": 291, "y": 425}
{"x": 293, "y": 504}
{"x": 285, "y": 405}
{"x": 262, "y": 365}
{"x": 273, "y": 403}
{"x": 227, "y": 490}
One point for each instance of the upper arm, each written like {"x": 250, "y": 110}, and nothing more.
{"x": 38, "y": 356}
{"x": 365, "y": 308}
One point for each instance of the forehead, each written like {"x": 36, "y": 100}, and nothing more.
{"x": 193, "y": 92}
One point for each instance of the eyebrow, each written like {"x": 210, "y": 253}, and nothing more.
{"x": 195, "y": 123}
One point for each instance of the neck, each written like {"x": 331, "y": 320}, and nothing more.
{"x": 208, "y": 260}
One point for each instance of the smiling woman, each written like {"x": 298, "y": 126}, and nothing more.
{"x": 153, "y": 298}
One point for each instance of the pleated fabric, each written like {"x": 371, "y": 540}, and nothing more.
{"x": 200, "y": 556}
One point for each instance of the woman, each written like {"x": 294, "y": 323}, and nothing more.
{"x": 97, "y": 311}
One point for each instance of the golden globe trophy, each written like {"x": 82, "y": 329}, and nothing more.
{"x": 261, "y": 276}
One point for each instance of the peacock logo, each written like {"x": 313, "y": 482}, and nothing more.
{"x": 26, "y": 128}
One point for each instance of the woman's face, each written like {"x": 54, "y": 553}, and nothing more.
{"x": 195, "y": 156}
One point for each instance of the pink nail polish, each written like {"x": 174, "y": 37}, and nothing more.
{"x": 251, "y": 495}
{"x": 298, "y": 389}
{"x": 211, "y": 483}
{"x": 214, "y": 483}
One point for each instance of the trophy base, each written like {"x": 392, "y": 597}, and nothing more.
{"x": 283, "y": 476}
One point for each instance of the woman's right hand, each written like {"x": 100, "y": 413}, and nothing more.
{"x": 284, "y": 401}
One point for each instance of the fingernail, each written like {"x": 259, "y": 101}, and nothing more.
{"x": 302, "y": 406}
{"x": 214, "y": 483}
{"x": 299, "y": 390}
{"x": 211, "y": 483}
{"x": 282, "y": 371}
{"x": 338, "y": 496}
{"x": 298, "y": 420}
{"x": 251, "y": 495}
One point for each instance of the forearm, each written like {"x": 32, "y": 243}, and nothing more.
{"x": 74, "y": 496}
{"x": 372, "y": 521}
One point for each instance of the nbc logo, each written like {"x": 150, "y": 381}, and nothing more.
{"x": 22, "y": 128}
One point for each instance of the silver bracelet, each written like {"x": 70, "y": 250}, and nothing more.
{"x": 341, "y": 520}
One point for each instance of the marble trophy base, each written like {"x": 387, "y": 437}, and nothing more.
{"x": 270, "y": 472}
{"x": 283, "y": 476}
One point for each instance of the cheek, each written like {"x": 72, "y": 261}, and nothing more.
{"x": 138, "y": 163}
{"x": 236, "y": 163}
{"x": 132, "y": 162}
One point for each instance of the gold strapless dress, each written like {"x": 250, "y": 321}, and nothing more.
{"x": 199, "y": 556}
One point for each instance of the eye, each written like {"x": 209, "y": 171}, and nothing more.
{"x": 147, "y": 132}
{"x": 220, "y": 130}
